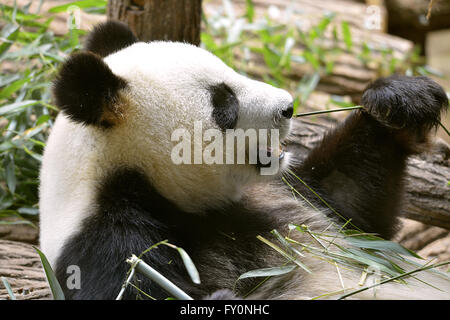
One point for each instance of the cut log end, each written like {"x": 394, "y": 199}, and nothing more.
{"x": 21, "y": 266}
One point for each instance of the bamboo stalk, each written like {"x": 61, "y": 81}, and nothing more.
{"x": 158, "y": 278}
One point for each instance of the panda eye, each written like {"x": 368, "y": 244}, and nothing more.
{"x": 225, "y": 106}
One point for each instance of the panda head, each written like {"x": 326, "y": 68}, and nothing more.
{"x": 140, "y": 104}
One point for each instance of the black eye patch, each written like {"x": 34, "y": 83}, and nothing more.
{"x": 225, "y": 106}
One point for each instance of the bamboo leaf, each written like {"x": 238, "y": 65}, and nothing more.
{"x": 8, "y": 288}
{"x": 16, "y": 106}
{"x": 283, "y": 253}
{"x": 10, "y": 175}
{"x": 29, "y": 211}
{"x": 268, "y": 272}
{"x": 296, "y": 103}
{"x": 8, "y": 35}
{"x": 346, "y": 33}
{"x": 250, "y": 10}
{"x": 13, "y": 87}
{"x": 190, "y": 266}
{"x": 381, "y": 245}
{"x": 82, "y": 4}
{"x": 55, "y": 287}
{"x": 285, "y": 243}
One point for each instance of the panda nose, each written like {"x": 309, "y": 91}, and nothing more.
{"x": 288, "y": 111}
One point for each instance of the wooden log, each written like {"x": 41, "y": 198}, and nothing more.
{"x": 21, "y": 266}
{"x": 175, "y": 20}
{"x": 408, "y": 18}
{"x": 349, "y": 75}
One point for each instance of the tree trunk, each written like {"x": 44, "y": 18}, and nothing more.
{"x": 174, "y": 20}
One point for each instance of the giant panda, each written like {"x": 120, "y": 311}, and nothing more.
{"x": 109, "y": 187}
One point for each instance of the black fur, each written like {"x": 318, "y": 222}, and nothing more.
{"x": 226, "y": 106}
{"x": 130, "y": 216}
{"x": 109, "y": 37}
{"x": 86, "y": 89}
{"x": 119, "y": 227}
{"x": 401, "y": 101}
{"x": 359, "y": 166}
{"x": 289, "y": 111}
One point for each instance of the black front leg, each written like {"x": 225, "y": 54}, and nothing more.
{"x": 359, "y": 166}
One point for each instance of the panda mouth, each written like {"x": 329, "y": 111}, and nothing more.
{"x": 277, "y": 152}
{"x": 271, "y": 154}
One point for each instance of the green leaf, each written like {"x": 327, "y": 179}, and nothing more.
{"x": 9, "y": 78}
{"x": 8, "y": 289}
{"x": 359, "y": 258}
{"x": 10, "y": 174}
{"x": 17, "y": 222}
{"x": 377, "y": 259}
{"x": 307, "y": 85}
{"x": 323, "y": 24}
{"x": 329, "y": 66}
{"x": 36, "y": 156}
{"x": 42, "y": 119}
{"x": 381, "y": 245}
{"x": 55, "y": 287}
{"x": 208, "y": 41}
{"x": 250, "y": 10}
{"x": 28, "y": 210}
{"x": 189, "y": 264}
{"x": 83, "y": 4}
{"x": 268, "y": 272}
{"x": 296, "y": 104}
{"x": 285, "y": 243}
{"x": 16, "y": 106}
{"x": 283, "y": 253}
{"x": 7, "y": 145}
{"x": 339, "y": 101}
{"x": 312, "y": 60}
{"x": 13, "y": 87}
{"x": 346, "y": 33}
{"x": 8, "y": 35}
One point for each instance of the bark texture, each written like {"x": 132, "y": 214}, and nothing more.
{"x": 175, "y": 20}
{"x": 21, "y": 266}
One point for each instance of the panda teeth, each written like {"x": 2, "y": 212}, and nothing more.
{"x": 276, "y": 152}
{"x": 281, "y": 154}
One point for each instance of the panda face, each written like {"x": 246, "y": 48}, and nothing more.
{"x": 173, "y": 86}
{"x": 132, "y": 101}
{"x": 186, "y": 83}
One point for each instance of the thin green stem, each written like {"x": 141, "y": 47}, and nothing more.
{"x": 395, "y": 278}
{"x": 445, "y": 129}
{"x": 323, "y": 201}
{"x": 326, "y": 111}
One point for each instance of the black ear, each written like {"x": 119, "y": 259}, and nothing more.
{"x": 86, "y": 89}
{"x": 109, "y": 37}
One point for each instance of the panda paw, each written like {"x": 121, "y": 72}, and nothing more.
{"x": 401, "y": 102}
